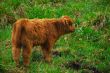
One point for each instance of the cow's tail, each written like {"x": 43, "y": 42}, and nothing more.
{"x": 17, "y": 31}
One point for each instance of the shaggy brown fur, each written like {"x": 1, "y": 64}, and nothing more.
{"x": 27, "y": 33}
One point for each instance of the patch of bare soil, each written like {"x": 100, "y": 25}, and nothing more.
{"x": 78, "y": 65}
{"x": 60, "y": 53}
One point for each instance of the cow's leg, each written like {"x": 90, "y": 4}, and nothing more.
{"x": 26, "y": 53}
{"x": 46, "y": 48}
{"x": 16, "y": 54}
{"x": 46, "y": 53}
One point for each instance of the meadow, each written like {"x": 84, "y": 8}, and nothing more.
{"x": 87, "y": 50}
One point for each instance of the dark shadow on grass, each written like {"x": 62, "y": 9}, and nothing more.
{"x": 36, "y": 56}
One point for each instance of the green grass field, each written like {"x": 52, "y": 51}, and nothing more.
{"x": 87, "y": 50}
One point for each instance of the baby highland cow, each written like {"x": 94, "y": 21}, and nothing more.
{"x": 27, "y": 33}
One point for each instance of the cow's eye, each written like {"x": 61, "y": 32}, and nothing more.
{"x": 70, "y": 24}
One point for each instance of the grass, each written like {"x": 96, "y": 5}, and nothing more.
{"x": 88, "y": 47}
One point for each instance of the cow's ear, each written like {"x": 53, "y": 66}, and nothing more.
{"x": 65, "y": 19}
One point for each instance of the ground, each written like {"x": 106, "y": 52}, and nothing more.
{"x": 84, "y": 51}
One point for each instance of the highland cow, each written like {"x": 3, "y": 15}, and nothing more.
{"x": 27, "y": 33}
